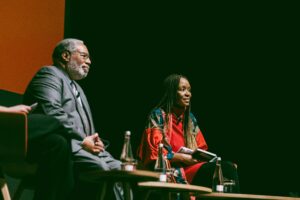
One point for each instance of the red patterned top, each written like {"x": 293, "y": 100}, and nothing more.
{"x": 153, "y": 135}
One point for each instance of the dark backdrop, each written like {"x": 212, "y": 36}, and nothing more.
{"x": 239, "y": 58}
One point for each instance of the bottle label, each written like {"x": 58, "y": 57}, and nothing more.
{"x": 127, "y": 167}
{"x": 163, "y": 178}
{"x": 219, "y": 188}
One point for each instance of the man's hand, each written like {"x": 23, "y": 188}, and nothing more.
{"x": 99, "y": 143}
{"x": 93, "y": 144}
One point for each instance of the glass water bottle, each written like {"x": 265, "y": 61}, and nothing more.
{"x": 218, "y": 180}
{"x": 160, "y": 164}
{"x": 128, "y": 162}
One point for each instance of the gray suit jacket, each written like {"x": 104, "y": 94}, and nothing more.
{"x": 51, "y": 88}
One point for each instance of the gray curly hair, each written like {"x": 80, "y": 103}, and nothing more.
{"x": 69, "y": 44}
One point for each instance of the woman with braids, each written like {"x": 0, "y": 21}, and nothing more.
{"x": 172, "y": 123}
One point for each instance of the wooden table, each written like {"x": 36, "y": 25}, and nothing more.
{"x": 127, "y": 178}
{"x": 203, "y": 192}
{"x": 243, "y": 196}
{"x": 167, "y": 188}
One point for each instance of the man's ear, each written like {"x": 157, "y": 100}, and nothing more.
{"x": 66, "y": 55}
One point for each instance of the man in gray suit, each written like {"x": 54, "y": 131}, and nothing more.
{"x": 58, "y": 95}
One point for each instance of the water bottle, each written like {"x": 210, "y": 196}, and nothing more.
{"x": 218, "y": 180}
{"x": 128, "y": 162}
{"x": 160, "y": 164}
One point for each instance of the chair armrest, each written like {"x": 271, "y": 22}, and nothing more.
{"x": 13, "y": 137}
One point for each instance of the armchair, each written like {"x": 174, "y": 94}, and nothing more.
{"x": 13, "y": 151}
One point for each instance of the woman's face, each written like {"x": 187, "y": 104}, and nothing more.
{"x": 184, "y": 93}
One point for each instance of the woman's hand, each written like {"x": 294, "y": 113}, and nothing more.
{"x": 183, "y": 158}
{"x": 17, "y": 108}
{"x": 93, "y": 144}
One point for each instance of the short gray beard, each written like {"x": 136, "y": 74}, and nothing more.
{"x": 75, "y": 71}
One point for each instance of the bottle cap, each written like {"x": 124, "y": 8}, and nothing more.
{"x": 127, "y": 133}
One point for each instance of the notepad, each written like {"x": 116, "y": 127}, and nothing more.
{"x": 199, "y": 154}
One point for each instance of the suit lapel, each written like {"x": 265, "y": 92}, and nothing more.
{"x": 84, "y": 112}
{"x": 85, "y": 109}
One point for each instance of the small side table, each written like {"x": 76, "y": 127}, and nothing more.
{"x": 236, "y": 196}
{"x": 168, "y": 188}
{"x": 127, "y": 178}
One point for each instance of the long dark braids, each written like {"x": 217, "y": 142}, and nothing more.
{"x": 168, "y": 101}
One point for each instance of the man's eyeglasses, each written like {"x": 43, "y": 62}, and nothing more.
{"x": 82, "y": 54}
